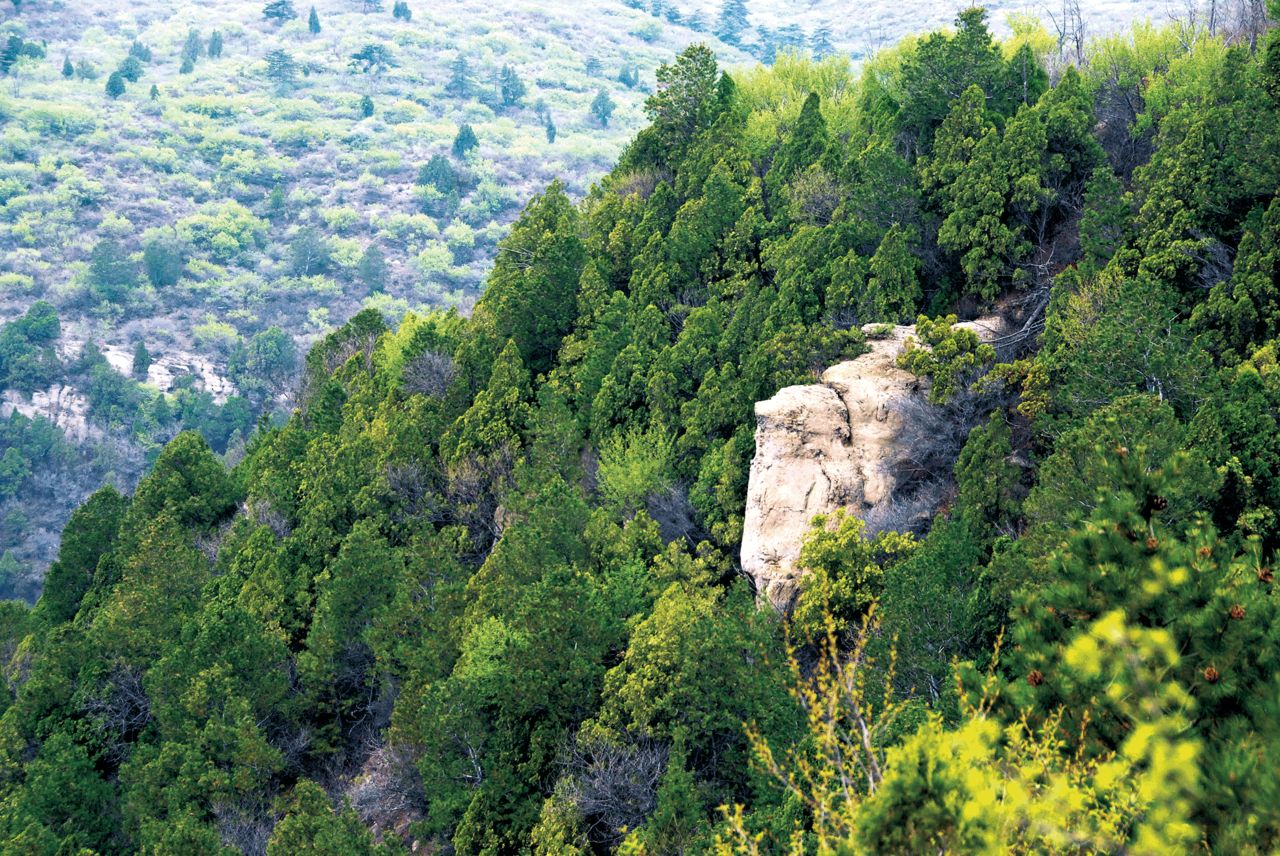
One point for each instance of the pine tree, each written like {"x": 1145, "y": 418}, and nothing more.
{"x": 154, "y": 94}
{"x": 115, "y": 85}
{"x": 459, "y": 83}
{"x": 279, "y": 11}
{"x": 602, "y": 108}
{"x": 496, "y": 420}
{"x": 141, "y": 360}
{"x": 511, "y": 88}
{"x": 464, "y": 141}
{"x": 820, "y": 43}
{"x": 313, "y": 22}
{"x": 733, "y": 22}
{"x": 1210, "y": 600}
{"x": 131, "y": 69}
{"x": 68, "y": 70}
{"x": 366, "y": 106}
{"x": 803, "y": 146}
{"x": 281, "y": 69}
{"x": 372, "y": 269}
{"x": 215, "y": 44}
{"x": 893, "y": 284}
{"x": 550, "y": 128}
{"x": 188, "y": 65}
{"x": 193, "y": 47}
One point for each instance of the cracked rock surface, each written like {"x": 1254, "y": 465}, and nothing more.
{"x": 820, "y": 447}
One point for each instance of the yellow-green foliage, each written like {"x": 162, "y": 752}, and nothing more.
{"x": 844, "y": 571}
{"x": 950, "y": 356}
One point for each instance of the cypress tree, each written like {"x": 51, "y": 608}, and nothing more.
{"x": 465, "y": 141}
{"x": 68, "y": 70}
{"x": 115, "y": 85}
{"x": 313, "y": 22}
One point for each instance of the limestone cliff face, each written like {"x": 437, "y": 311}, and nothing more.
{"x": 820, "y": 447}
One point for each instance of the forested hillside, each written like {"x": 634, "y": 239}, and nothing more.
{"x": 202, "y": 190}
{"x": 480, "y": 593}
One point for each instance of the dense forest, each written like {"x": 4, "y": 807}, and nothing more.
{"x": 202, "y": 190}
{"x": 481, "y": 592}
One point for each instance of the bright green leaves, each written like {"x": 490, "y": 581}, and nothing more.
{"x": 492, "y": 427}
{"x": 951, "y": 357}
{"x": 312, "y": 827}
{"x": 844, "y": 572}
{"x": 189, "y": 483}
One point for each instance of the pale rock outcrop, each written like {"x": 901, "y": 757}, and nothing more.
{"x": 821, "y": 447}
{"x": 64, "y": 406}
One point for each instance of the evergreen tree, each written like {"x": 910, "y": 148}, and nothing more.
{"x": 154, "y": 94}
{"x": 820, "y": 43}
{"x": 193, "y": 48}
{"x": 162, "y": 259}
{"x": 281, "y": 69}
{"x": 511, "y": 89}
{"x": 366, "y": 106}
{"x": 602, "y": 107}
{"x": 279, "y": 11}
{"x": 215, "y": 44}
{"x": 733, "y": 22}
{"x": 372, "y": 59}
{"x": 112, "y": 274}
{"x": 313, "y": 22}
{"x": 68, "y": 70}
{"x": 438, "y": 173}
{"x": 459, "y": 83}
{"x": 131, "y": 69}
{"x": 372, "y": 269}
{"x": 803, "y": 146}
{"x": 464, "y": 141}
{"x": 141, "y": 360}
{"x": 893, "y": 286}
{"x": 534, "y": 280}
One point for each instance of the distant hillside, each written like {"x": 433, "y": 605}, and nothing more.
{"x": 236, "y": 188}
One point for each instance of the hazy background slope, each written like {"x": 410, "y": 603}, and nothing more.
{"x": 218, "y": 219}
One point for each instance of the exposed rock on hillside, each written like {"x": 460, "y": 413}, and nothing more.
{"x": 825, "y": 446}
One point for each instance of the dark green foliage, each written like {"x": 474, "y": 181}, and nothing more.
{"x": 68, "y": 70}
{"x": 162, "y": 259}
{"x": 309, "y": 253}
{"x": 532, "y": 290}
{"x": 141, "y": 360}
{"x": 372, "y": 269}
{"x": 602, "y": 107}
{"x": 281, "y": 69}
{"x": 366, "y": 106}
{"x": 484, "y": 580}
{"x": 279, "y": 11}
{"x": 115, "y": 85}
{"x": 88, "y": 537}
{"x": 511, "y": 89}
{"x": 28, "y": 360}
{"x": 313, "y": 22}
{"x": 112, "y": 274}
{"x": 372, "y": 59}
{"x": 131, "y": 69}
{"x": 459, "y": 83}
{"x": 464, "y": 141}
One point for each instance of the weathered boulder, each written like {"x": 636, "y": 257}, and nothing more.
{"x": 821, "y": 447}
